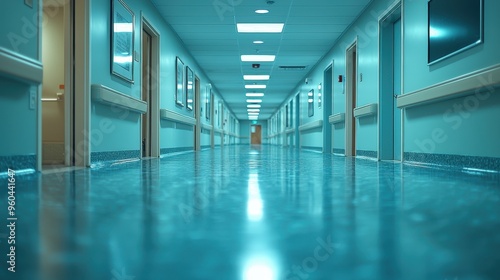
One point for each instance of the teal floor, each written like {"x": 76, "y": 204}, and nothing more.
{"x": 259, "y": 213}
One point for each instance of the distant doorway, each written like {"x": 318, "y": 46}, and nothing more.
{"x": 256, "y": 135}
{"x": 351, "y": 94}
{"x": 390, "y": 85}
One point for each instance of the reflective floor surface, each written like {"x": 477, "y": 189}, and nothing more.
{"x": 260, "y": 213}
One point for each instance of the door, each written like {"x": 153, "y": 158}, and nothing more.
{"x": 256, "y": 135}
{"x": 146, "y": 93}
{"x": 197, "y": 114}
{"x": 297, "y": 121}
{"x": 390, "y": 86}
{"x": 351, "y": 93}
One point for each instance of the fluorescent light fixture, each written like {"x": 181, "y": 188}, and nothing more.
{"x": 254, "y": 94}
{"x": 260, "y": 27}
{"x": 310, "y": 100}
{"x": 254, "y": 100}
{"x": 254, "y": 106}
{"x": 257, "y": 58}
{"x": 253, "y": 118}
{"x": 255, "y": 86}
{"x": 253, "y": 110}
{"x": 256, "y": 77}
{"x": 261, "y": 11}
{"x": 253, "y": 113}
{"x": 258, "y": 42}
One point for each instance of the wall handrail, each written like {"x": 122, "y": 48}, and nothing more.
{"x": 311, "y": 125}
{"x": 166, "y": 114}
{"x": 20, "y": 67}
{"x": 366, "y": 110}
{"x": 460, "y": 86}
{"x": 109, "y": 96}
{"x": 336, "y": 118}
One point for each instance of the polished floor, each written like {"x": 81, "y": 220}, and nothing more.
{"x": 260, "y": 213}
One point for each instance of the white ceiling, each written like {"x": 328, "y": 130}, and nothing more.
{"x": 208, "y": 30}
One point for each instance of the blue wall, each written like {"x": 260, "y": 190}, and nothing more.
{"x": 126, "y": 136}
{"x": 20, "y": 33}
{"x": 461, "y": 126}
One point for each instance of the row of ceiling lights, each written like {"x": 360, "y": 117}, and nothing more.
{"x": 253, "y": 102}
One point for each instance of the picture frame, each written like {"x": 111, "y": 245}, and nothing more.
{"x": 122, "y": 41}
{"x": 179, "y": 82}
{"x": 189, "y": 88}
{"x": 208, "y": 102}
{"x": 310, "y": 103}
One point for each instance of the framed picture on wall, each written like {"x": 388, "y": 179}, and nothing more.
{"x": 179, "y": 82}
{"x": 310, "y": 103}
{"x": 189, "y": 88}
{"x": 122, "y": 41}
{"x": 208, "y": 102}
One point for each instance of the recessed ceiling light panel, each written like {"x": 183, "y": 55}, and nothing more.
{"x": 255, "y": 86}
{"x": 260, "y": 27}
{"x": 254, "y": 100}
{"x": 256, "y": 77}
{"x": 257, "y": 57}
{"x": 261, "y": 11}
{"x": 254, "y": 94}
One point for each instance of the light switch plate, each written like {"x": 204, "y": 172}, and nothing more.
{"x": 32, "y": 98}
{"x": 29, "y": 3}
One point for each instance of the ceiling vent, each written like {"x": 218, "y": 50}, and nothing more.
{"x": 293, "y": 68}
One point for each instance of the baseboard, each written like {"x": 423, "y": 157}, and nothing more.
{"x": 456, "y": 161}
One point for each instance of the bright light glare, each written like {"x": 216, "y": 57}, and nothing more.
{"x": 122, "y": 28}
{"x": 254, "y": 106}
{"x": 260, "y": 268}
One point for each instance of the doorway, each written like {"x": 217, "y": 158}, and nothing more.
{"x": 150, "y": 92}
{"x": 390, "y": 86}
{"x": 256, "y": 135}
{"x": 56, "y": 109}
{"x": 351, "y": 96}
{"x": 327, "y": 108}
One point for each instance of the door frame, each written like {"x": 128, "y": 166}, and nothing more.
{"x": 297, "y": 121}
{"x": 154, "y": 105}
{"x": 78, "y": 48}
{"x": 392, "y": 13}
{"x": 327, "y": 100}
{"x": 350, "y": 123}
